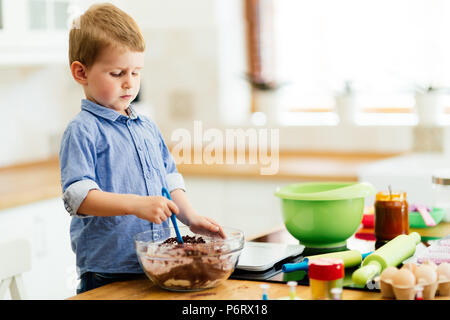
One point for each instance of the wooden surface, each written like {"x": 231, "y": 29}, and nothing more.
{"x": 436, "y": 232}
{"x": 317, "y": 166}
{"x": 432, "y": 233}
{"x": 26, "y": 183}
{"x": 230, "y": 289}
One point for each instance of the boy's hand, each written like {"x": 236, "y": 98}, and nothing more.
{"x": 197, "y": 223}
{"x": 155, "y": 209}
{"x": 206, "y": 226}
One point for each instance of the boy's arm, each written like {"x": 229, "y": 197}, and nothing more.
{"x": 187, "y": 215}
{"x": 155, "y": 209}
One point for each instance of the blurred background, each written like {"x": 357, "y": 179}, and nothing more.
{"x": 359, "y": 90}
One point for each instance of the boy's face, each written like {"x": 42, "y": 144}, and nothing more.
{"x": 113, "y": 81}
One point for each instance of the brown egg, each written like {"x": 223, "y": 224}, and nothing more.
{"x": 443, "y": 270}
{"x": 430, "y": 263}
{"x": 411, "y": 266}
{"x": 388, "y": 274}
{"x": 404, "y": 278}
{"x": 426, "y": 273}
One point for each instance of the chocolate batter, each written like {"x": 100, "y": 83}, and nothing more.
{"x": 193, "y": 265}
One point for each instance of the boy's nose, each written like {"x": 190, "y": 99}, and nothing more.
{"x": 127, "y": 82}
{"x": 126, "y": 85}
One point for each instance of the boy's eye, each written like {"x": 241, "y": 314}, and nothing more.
{"x": 118, "y": 74}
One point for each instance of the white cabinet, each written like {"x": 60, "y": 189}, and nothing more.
{"x": 34, "y": 31}
{"x": 46, "y": 225}
{"x": 249, "y": 205}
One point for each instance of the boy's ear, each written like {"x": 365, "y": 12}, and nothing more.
{"x": 79, "y": 72}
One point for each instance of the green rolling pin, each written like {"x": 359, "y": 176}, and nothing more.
{"x": 391, "y": 254}
{"x": 351, "y": 258}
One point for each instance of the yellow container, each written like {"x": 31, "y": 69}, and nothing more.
{"x": 324, "y": 275}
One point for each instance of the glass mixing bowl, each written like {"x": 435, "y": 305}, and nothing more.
{"x": 195, "y": 265}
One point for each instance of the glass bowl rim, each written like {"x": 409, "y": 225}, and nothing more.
{"x": 239, "y": 237}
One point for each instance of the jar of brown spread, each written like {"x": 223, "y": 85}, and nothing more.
{"x": 391, "y": 216}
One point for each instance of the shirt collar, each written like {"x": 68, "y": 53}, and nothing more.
{"x": 107, "y": 113}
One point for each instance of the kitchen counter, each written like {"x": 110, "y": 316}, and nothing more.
{"x": 30, "y": 182}
{"x": 306, "y": 166}
{"x": 229, "y": 290}
{"x": 408, "y": 172}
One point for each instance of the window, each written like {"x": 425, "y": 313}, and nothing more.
{"x": 38, "y": 14}
{"x": 48, "y": 14}
{"x": 61, "y": 14}
{"x": 382, "y": 50}
{"x": 1, "y": 14}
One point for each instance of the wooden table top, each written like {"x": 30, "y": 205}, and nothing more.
{"x": 231, "y": 289}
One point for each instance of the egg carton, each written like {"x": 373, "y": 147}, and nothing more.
{"x": 414, "y": 281}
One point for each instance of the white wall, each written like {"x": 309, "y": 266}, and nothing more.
{"x": 37, "y": 103}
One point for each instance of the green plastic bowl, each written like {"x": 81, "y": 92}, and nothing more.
{"x": 323, "y": 214}
{"x": 416, "y": 220}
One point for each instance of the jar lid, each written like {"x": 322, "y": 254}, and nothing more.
{"x": 394, "y": 196}
{"x": 326, "y": 269}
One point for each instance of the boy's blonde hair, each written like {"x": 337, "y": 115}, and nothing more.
{"x": 101, "y": 26}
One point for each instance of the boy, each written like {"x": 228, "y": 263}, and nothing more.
{"x": 113, "y": 161}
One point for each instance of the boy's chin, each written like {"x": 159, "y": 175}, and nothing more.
{"x": 119, "y": 107}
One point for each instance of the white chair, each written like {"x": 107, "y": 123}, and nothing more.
{"x": 15, "y": 259}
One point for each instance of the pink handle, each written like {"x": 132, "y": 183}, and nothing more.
{"x": 429, "y": 221}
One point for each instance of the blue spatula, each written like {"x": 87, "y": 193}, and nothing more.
{"x": 172, "y": 217}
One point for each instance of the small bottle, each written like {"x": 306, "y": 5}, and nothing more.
{"x": 336, "y": 293}
{"x": 419, "y": 293}
{"x": 324, "y": 275}
{"x": 292, "y": 285}
{"x": 264, "y": 288}
{"x": 292, "y": 292}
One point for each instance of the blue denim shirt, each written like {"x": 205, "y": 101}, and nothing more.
{"x": 102, "y": 149}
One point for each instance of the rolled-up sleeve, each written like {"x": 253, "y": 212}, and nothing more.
{"x": 77, "y": 163}
{"x": 75, "y": 194}
{"x": 174, "y": 179}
